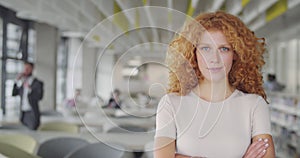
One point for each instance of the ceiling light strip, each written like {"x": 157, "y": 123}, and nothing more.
{"x": 245, "y": 2}
{"x": 276, "y": 10}
{"x": 119, "y": 18}
{"x": 145, "y": 2}
{"x": 133, "y": 19}
{"x": 191, "y": 9}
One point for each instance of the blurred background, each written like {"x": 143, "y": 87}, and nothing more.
{"x": 87, "y": 49}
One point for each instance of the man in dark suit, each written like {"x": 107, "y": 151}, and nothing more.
{"x": 30, "y": 89}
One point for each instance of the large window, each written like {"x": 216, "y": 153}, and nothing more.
{"x": 17, "y": 44}
{"x": 1, "y": 35}
{"x": 1, "y": 40}
{"x": 13, "y": 67}
{"x": 62, "y": 66}
{"x": 14, "y": 37}
{"x": 31, "y": 45}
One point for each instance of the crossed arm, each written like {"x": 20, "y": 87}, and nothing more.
{"x": 165, "y": 148}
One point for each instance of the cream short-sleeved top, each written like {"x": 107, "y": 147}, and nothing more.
{"x": 225, "y": 132}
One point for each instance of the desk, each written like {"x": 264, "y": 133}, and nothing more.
{"x": 103, "y": 122}
{"x": 74, "y": 120}
{"x": 8, "y": 120}
{"x": 98, "y": 111}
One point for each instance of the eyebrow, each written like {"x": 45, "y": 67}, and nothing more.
{"x": 225, "y": 44}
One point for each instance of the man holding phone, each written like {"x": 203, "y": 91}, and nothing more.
{"x": 30, "y": 89}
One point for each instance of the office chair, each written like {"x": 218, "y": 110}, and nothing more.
{"x": 59, "y": 126}
{"x": 98, "y": 150}
{"x": 60, "y": 147}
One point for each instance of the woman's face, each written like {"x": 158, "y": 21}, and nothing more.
{"x": 214, "y": 56}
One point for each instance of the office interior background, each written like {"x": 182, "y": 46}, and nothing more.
{"x": 101, "y": 45}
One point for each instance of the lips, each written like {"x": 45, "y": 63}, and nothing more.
{"x": 215, "y": 69}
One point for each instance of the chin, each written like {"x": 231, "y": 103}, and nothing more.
{"x": 215, "y": 78}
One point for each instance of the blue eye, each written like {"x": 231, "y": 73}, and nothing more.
{"x": 206, "y": 49}
{"x": 224, "y": 49}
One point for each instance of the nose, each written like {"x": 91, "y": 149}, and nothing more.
{"x": 215, "y": 56}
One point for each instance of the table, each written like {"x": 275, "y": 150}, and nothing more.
{"x": 103, "y": 122}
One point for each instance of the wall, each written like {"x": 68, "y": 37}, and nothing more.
{"x": 74, "y": 73}
{"x": 283, "y": 60}
{"x": 158, "y": 80}
{"x": 105, "y": 65}
{"x": 153, "y": 80}
{"x": 88, "y": 70}
{"x": 47, "y": 37}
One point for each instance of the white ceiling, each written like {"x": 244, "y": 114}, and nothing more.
{"x": 142, "y": 21}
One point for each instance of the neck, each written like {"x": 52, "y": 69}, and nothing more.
{"x": 214, "y": 91}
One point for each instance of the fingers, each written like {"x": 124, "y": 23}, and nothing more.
{"x": 181, "y": 156}
{"x": 185, "y": 156}
{"x": 20, "y": 76}
{"x": 257, "y": 149}
{"x": 262, "y": 153}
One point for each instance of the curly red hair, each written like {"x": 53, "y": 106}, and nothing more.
{"x": 245, "y": 74}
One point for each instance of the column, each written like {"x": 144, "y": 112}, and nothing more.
{"x": 45, "y": 65}
{"x": 89, "y": 59}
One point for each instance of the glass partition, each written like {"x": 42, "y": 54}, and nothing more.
{"x": 31, "y": 45}
{"x": 1, "y": 40}
{"x": 13, "y": 67}
{"x": 14, "y": 35}
{"x": 62, "y": 66}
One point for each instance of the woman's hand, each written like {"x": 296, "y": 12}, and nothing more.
{"x": 257, "y": 149}
{"x": 181, "y": 156}
{"x": 184, "y": 156}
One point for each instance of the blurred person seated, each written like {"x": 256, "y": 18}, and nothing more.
{"x": 114, "y": 101}
{"x": 272, "y": 84}
{"x": 77, "y": 99}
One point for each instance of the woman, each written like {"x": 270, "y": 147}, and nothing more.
{"x": 216, "y": 105}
